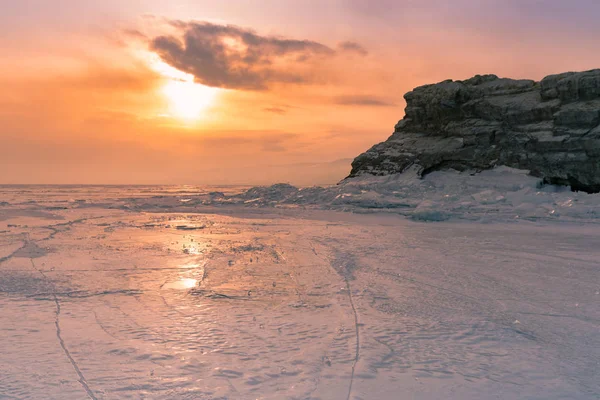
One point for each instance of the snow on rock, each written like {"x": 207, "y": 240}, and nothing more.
{"x": 551, "y": 128}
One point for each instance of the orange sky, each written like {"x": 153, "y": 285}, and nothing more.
{"x": 248, "y": 92}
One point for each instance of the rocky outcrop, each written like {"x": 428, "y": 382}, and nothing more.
{"x": 551, "y": 128}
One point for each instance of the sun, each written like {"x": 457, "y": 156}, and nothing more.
{"x": 187, "y": 100}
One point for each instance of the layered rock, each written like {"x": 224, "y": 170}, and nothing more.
{"x": 551, "y": 128}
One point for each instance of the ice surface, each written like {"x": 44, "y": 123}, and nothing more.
{"x": 272, "y": 293}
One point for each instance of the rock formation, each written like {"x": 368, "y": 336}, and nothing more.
{"x": 551, "y": 128}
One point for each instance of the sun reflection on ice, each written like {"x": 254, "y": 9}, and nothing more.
{"x": 182, "y": 284}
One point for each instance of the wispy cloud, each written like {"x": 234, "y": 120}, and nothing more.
{"x": 357, "y": 100}
{"x": 276, "y": 110}
{"x": 134, "y": 33}
{"x": 247, "y": 140}
{"x": 353, "y": 47}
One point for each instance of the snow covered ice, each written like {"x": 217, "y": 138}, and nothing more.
{"x": 457, "y": 286}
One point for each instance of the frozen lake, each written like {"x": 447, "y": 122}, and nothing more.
{"x": 100, "y": 299}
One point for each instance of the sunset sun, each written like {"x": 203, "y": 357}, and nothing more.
{"x": 187, "y": 100}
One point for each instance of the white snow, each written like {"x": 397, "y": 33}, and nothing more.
{"x": 456, "y": 286}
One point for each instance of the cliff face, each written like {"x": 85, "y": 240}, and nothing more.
{"x": 551, "y": 128}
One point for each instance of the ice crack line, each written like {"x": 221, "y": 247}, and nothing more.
{"x": 56, "y": 227}
{"x": 357, "y": 352}
{"x": 345, "y": 264}
{"x": 11, "y": 255}
{"x": 82, "y": 379}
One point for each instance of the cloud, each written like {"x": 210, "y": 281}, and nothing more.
{"x": 372, "y": 101}
{"x": 134, "y": 33}
{"x": 232, "y": 57}
{"x": 276, "y": 110}
{"x": 245, "y": 141}
{"x": 353, "y": 47}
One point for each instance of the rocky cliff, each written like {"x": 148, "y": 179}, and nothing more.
{"x": 551, "y": 128}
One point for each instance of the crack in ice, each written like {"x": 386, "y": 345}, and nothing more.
{"x": 61, "y": 341}
{"x": 82, "y": 294}
{"x": 11, "y": 255}
{"x": 357, "y": 353}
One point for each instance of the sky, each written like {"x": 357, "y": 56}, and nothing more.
{"x": 248, "y": 91}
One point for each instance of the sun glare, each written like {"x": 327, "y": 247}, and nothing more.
{"x": 187, "y": 100}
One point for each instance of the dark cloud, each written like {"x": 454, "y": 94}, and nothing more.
{"x": 372, "y": 101}
{"x": 353, "y": 47}
{"x": 237, "y": 58}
